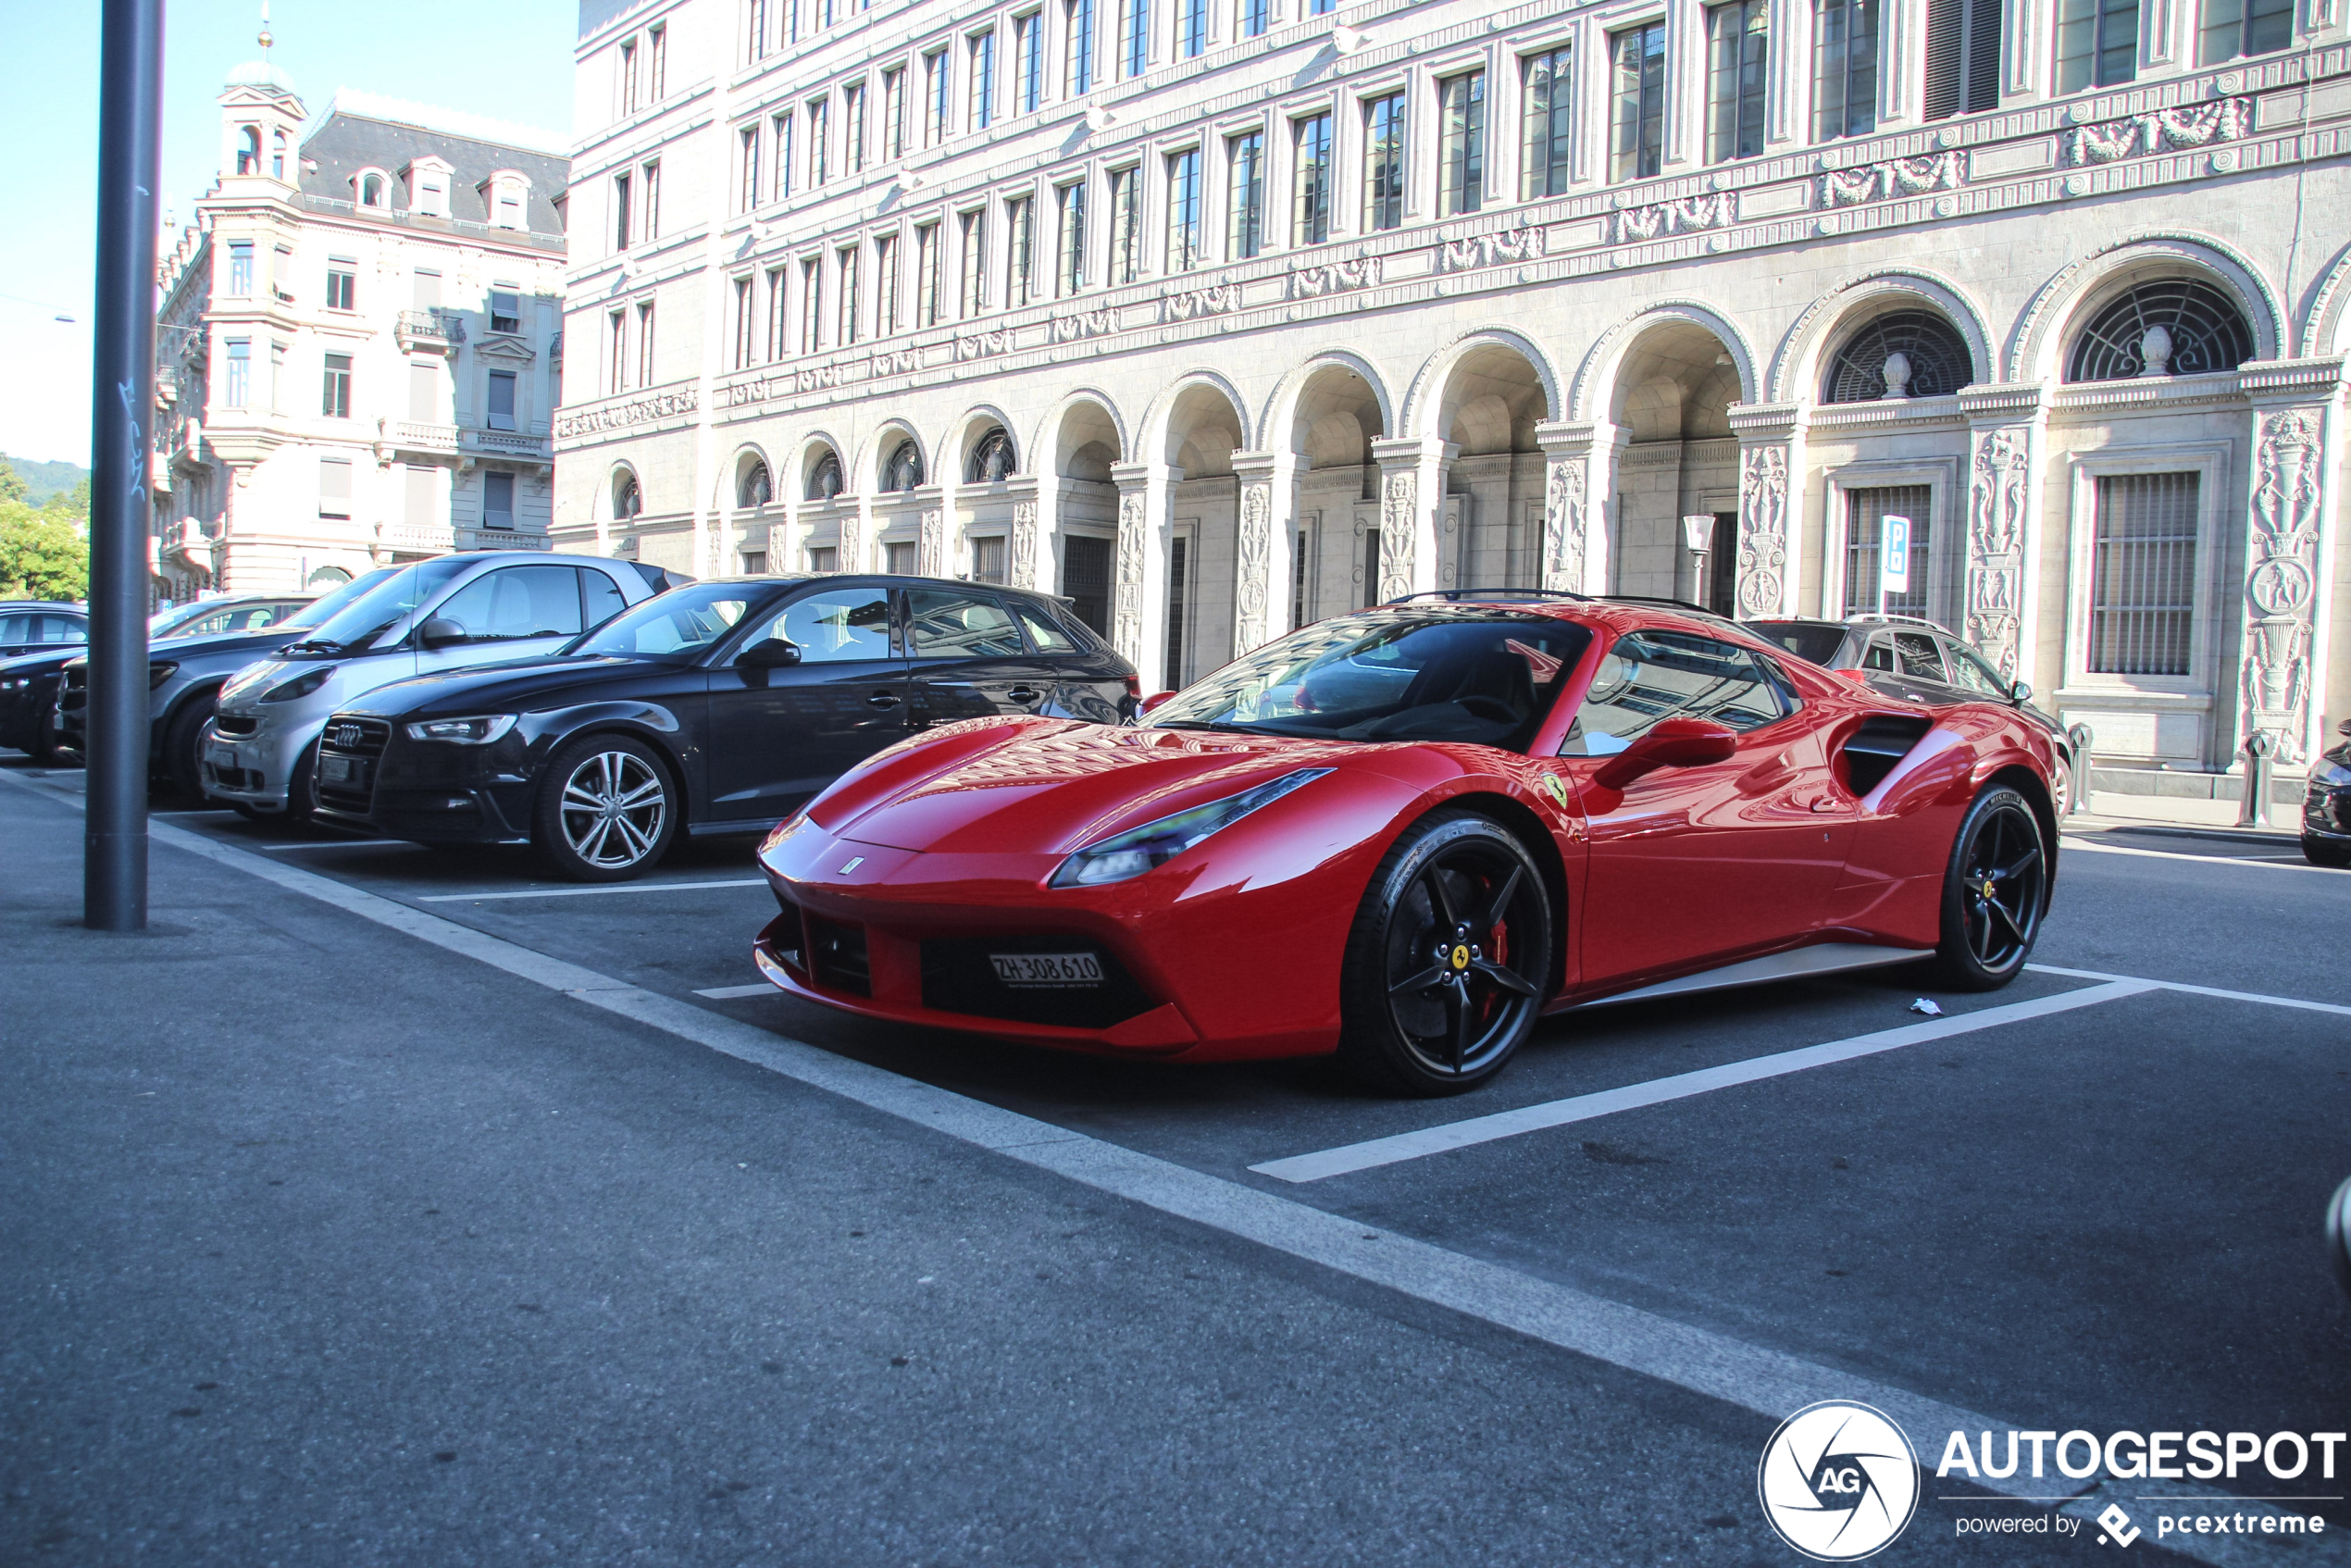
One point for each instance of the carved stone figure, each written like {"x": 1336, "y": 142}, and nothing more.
{"x": 1762, "y": 530}
{"x": 1256, "y": 561}
{"x": 1024, "y": 544}
{"x": 1398, "y": 497}
{"x": 1564, "y": 526}
{"x": 2282, "y": 580}
{"x": 931, "y": 545}
{"x": 1126, "y": 610}
{"x": 1996, "y": 493}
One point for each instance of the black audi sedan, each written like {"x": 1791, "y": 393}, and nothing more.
{"x": 715, "y": 708}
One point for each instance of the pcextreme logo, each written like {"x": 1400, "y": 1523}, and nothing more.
{"x": 1838, "y": 1481}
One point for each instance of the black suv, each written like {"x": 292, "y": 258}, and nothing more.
{"x": 2326, "y": 810}
{"x": 717, "y": 708}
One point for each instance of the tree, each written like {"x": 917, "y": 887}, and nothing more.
{"x": 12, "y": 485}
{"x": 43, "y": 555}
{"x": 74, "y": 502}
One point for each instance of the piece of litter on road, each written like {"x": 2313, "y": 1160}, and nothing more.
{"x": 1923, "y": 1005}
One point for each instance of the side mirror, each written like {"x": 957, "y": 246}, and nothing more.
{"x": 2021, "y": 690}
{"x": 440, "y": 632}
{"x": 768, "y": 652}
{"x": 1156, "y": 700}
{"x": 1672, "y": 743}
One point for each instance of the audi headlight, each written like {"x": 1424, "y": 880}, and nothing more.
{"x": 480, "y": 730}
{"x": 1154, "y": 844}
{"x": 301, "y": 686}
{"x": 158, "y": 674}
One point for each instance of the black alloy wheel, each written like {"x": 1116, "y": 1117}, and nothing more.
{"x": 607, "y": 810}
{"x": 1449, "y": 963}
{"x": 1994, "y": 893}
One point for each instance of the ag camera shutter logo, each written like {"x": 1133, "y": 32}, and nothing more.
{"x": 1838, "y": 1481}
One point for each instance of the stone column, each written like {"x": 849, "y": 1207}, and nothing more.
{"x": 1021, "y": 545}
{"x": 1268, "y": 514}
{"x": 1412, "y": 481}
{"x": 1999, "y": 593}
{"x": 1770, "y": 506}
{"x": 2288, "y": 555}
{"x": 1134, "y": 618}
{"x": 1579, "y": 472}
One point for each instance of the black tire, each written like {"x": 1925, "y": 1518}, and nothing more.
{"x": 44, "y": 752}
{"x": 2326, "y": 853}
{"x": 2061, "y": 786}
{"x": 1448, "y": 962}
{"x": 608, "y": 810}
{"x": 1995, "y": 891}
{"x": 301, "y": 785}
{"x": 183, "y": 745}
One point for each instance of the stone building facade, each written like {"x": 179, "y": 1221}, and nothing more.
{"x": 359, "y": 342}
{"x": 1223, "y": 316}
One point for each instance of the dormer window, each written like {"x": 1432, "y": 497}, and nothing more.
{"x": 505, "y": 195}
{"x": 428, "y": 187}
{"x": 372, "y": 189}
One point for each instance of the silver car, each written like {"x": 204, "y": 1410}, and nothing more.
{"x": 261, "y": 751}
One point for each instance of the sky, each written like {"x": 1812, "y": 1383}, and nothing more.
{"x": 507, "y": 58}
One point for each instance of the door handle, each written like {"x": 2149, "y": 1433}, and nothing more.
{"x": 1024, "y": 693}
{"x": 882, "y": 700}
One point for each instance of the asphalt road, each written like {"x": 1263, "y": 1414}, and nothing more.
{"x": 328, "y": 1244}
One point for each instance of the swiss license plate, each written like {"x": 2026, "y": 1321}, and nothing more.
{"x": 338, "y": 770}
{"x": 224, "y": 757}
{"x": 1046, "y": 968}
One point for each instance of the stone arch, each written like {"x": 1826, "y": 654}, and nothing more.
{"x": 1595, "y": 378}
{"x": 1153, "y": 444}
{"x": 814, "y": 447}
{"x": 2037, "y": 348}
{"x": 734, "y": 482}
{"x": 1082, "y": 439}
{"x": 1423, "y": 411}
{"x": 1275, "y": 428}
{"x": 621, "y": 484}
{"x": 1201, "y": 423}
{"x": 885, "y": 443}
{"x": 965, "y": 434}
{"x": 2324, "y": 328}
{"x": 1796, "y": 373}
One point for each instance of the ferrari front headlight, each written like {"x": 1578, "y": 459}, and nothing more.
{"x": 1154, "y": 844}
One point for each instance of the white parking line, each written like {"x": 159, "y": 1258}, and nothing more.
{"x": 584, "y": 893}
{"x": 343, "y": 844}
{"x": 1449, "y": 1136}
{"x": 735, "y": 993}
{"x": 2261, "y": 997}
{"x": 2072, "y": 842}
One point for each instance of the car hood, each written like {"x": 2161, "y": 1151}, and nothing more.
{"x": 1048, "y": 786}
{"x": 511, "y": 686}
{"x": 40, "y": 664}
{"x": 244, "y": 646}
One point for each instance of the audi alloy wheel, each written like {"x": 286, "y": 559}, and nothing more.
{"x": 607, "y": 810}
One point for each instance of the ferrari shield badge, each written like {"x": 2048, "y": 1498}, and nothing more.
{"x": 1553, "y": 788}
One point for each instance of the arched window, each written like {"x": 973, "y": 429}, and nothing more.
{"x": 249, "y": 151}
{"x": 2179, "y": 326}
{"x": 992, "y": 460}
{"x": 904, "y": 470}
{"x": 753, "y": 488}
{"x": 1901, "y": 354}
{"x": 327, "y": 576}
{"x": 824, "y": 480}
{"x": 627, "y": 499}
{"x": 278, "y": 155}
{"x": 372, "y": 189}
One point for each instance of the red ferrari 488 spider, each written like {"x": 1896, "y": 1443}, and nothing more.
{"x": 1407, "y": 834}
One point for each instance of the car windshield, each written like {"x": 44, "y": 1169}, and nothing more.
{"x": 676, "y": 625}
{"x": 1434, "y": 674}
{"x": 168, "y": 622}
{"x": 1809, "y": 641}
{"x": 374, "y": 604}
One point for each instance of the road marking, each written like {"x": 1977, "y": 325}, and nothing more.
{"x": 343, "y": 844}
{"x": 584, "y": 893}
{"x": 1769, "y": 1383}
{"x": 735, "y": 993}
{"x": 1449, "y": 1136}
{"x": 2071, "y": 842}
{"x": 2261, "y": 997}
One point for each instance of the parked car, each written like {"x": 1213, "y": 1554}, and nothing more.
{"x": 184, "y": 679}
{"x": 1268, "y": 867}
{"x": 711, "y": 709}
{"x": 449, "y": 613}
{"x": 32, "y": 626}
{"x": 2326, "y": 810}
{"x": 29, "y": 702}
{"x": 225, "y": 616}
{"x": 1922, "y": 661}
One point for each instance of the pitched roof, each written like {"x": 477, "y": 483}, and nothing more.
{"x": 360, "y": 131}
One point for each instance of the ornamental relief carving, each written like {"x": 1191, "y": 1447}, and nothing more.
{"x": 2163, "y": 130}
{"x": 1998, "y": 477}
{"x": 1334, "y": 277}
{"x": 1083, "y": 324}
{"x": 894, "y": 362}
{"x": 1691, "y": 215}
{"x": 851, "y": 557}
{"x": 1215, "y": 300}
{"x": 1127, "y": 614}
{"x": 620, "y": 416}
{"x": 1526, "y": 244}
{"x": 1256, "y": 558}
{"x": 1398, "y": 497}
{"x": 931, "y": 545}
{"x": 1563, "y": 527}
{"x": 1024, "y": 544}
{"x": 2280, "y": 582}
{"x": 1762, "y": 530}
{"x": 982, "y": 346}
{"x": 1897, "y": 177}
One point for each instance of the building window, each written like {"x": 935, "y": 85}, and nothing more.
{"x": 505, "y": 310}
{"x": 627, "y": 500}
{"x": 754, "y": 29}
{"x": 240, "y": 268}
{"x": 885, "y": 284}
{"x": 853, "y": 129}
{"x": 2182, "y": 327}
{"x": 988, "y": 560}
{"x": 1028, "y": 62}
{"x": 1371, "y": 567}
{"x": 498, "y": 501}
{"x": 754, "y": 562}
{"x": 1245, "y": 195}
{"x": 617, "y": 352}
{"x": 1179, "y": 564}
{"x": 629, "y": 77}
{"x": 746, "y": 323}
{"x": 646, "y": 345}
{"x": 1020, "y": 230}
{"x": 2143, "y": 573}
{"x": 1901, "y": 354}
{"x": 1183, "y": 210}
{"x": 1460, "y": 175}
{"x": 812, "y": 304}
{"x": 623, "y": 208}
{"x": 820, "y": 141}
{"x": 1077, "y": 70}
{"x": 1546, "y": 120}
{"x": 334, "y": 487}
{"x": 249, "y": 150}
{"x": 1962, "y": 57}
{"x": 824, "y": 559}
{"x": 748, "y": 138}
{"x": 776, "y": 315}
{"x": 784, "y": 139}
{"x": 342, "y": 283}
{"x": 656, "y": 63}
{"x": 1255, "y": 17}
{"x": 934, "y": 97}
{"x": 1738, "y": 48}
{"x": 992, "y": 460}
{"x": 501, "y": 414}
{"x": 1069, "y": 239}
{"x": 851, "y": 301}
{"x": 1638, "y": 143}
{"x": 904, "y": 470}
{"x": 928, "y": 270}
{"x": 507, "y": 201}
{"x": 236, "y": 388}
{"x": 1192, "y": 27}
{"x": 975, "y": 236}
{"x": 900, "y": 559}
{"x": 276, "y": 373}
{"x": 1845, "y": 68}
{"x": 1866, "y": 510}
{"x": 334, "y": 400}
{"x": 372, "y": 189}
{"x": 983, "y": 79}
{"x": 1321, "y": 7}
{"x": 754, "y": 487}
{"x": 1126, "y": 225}
{"x": 894, "y": 113}
{"x": 2097, "y": 42}
{"x": 1310, "y": 181}
{"x": 1384, "y": 162}
{"x": 1086, "y": 574}
{"x": 1301, "y": 577}
{"x": 1133, "y": 37}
